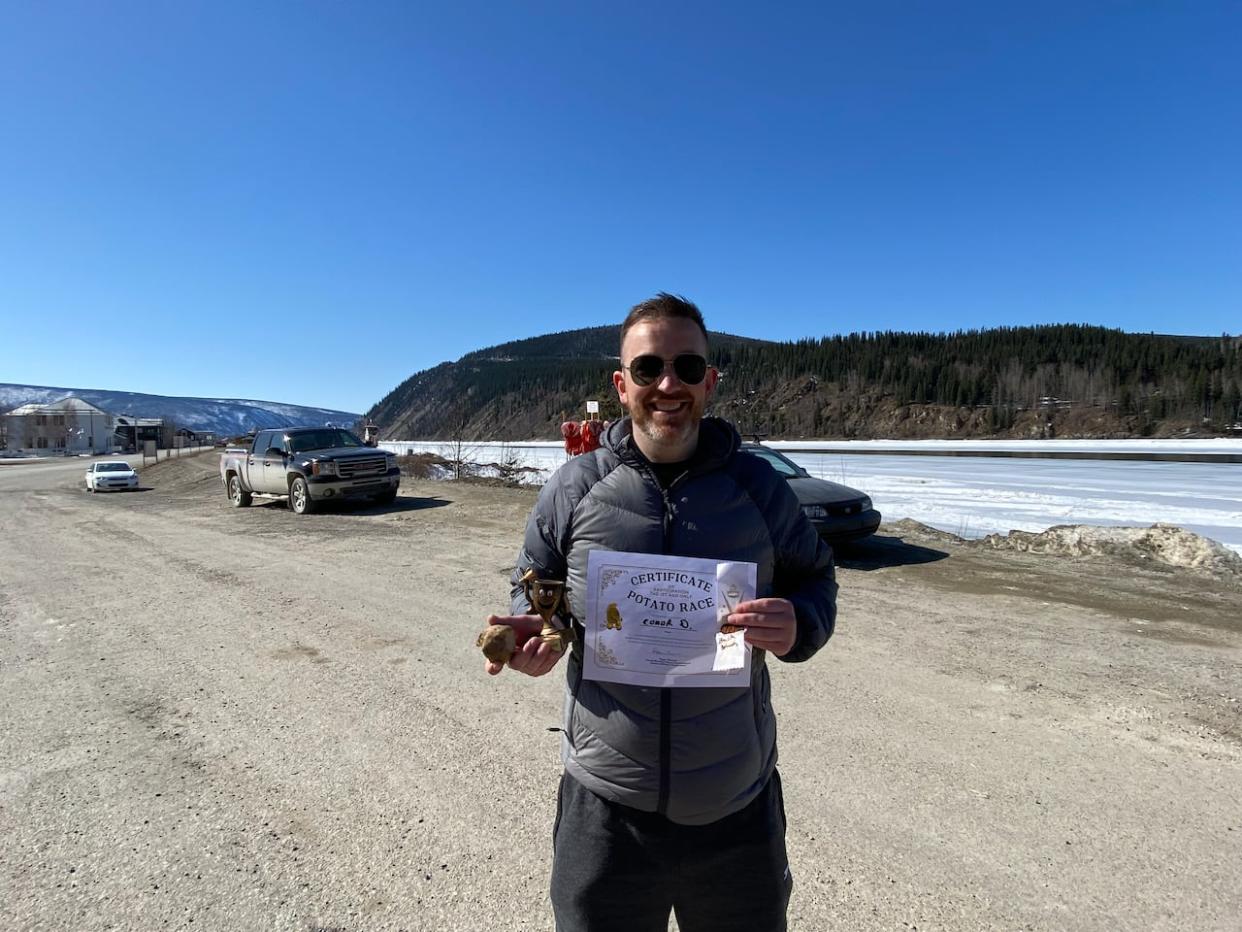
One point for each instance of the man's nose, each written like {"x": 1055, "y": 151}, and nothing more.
{"x": 668, "y": 380}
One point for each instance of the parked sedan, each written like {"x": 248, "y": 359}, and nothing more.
{"x": 111, "y": 477}
{"x": 838, "y": 512}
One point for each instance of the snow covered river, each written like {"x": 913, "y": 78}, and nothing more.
{"x": 1024, "y": 487}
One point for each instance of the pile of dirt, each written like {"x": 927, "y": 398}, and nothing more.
{"x": 1161, "y": 544}
{"x": 908, "y": 528}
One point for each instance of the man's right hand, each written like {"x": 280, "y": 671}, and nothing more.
{"x": 532, "y": 657}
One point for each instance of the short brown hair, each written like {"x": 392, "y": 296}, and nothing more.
{"x": 662, "y": 306}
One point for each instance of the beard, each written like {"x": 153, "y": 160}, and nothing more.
{"x": 675, "y": 432}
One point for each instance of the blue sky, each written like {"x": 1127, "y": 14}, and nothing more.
{"x": 310, "y": 202}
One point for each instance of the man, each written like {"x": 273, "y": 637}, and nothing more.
{"x": 670, "y": 798}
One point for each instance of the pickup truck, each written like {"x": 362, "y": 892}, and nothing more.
{"x": 308, "y": 465}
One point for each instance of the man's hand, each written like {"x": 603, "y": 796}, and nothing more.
{"x": 532, "y": 657}
{"x": 769, "y": 623}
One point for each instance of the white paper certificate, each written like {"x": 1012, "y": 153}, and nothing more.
{"x": 652, "y": 619}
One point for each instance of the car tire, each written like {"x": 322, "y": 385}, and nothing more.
{"x": 237, "y": 495}
{"x": 385, "y": 498}
{"x": 300, "y": 501}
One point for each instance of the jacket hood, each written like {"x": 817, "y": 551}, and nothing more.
{"x": 718, "y": 441}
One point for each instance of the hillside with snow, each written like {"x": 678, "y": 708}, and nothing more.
{"x": 224, "y": 416}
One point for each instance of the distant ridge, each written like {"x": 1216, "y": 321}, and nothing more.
{"x": 224, "y": 416}
{"x": 1060, "y": 380}
{"x": 519, "y": 390}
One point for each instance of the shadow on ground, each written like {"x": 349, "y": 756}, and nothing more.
{"x": 403, "y": 503}
{"x": 880, "y": 551}
{"x": 347, "y": 507}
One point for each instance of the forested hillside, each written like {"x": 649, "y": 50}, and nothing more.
{"x": 1063, "y": 380}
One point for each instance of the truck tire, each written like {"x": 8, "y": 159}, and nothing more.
{"x": 300, "y": 502}
{"x": 237, "y": 495}
{"x": 385, "y": 498}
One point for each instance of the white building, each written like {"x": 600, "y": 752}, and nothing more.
{"x": 67, "y": 426}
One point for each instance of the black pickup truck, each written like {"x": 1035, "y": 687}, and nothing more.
{"x": 308, "y": 465}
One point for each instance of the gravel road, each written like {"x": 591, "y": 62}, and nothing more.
{"x": 243, "y": 719}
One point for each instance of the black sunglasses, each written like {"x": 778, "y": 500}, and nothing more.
{"x": 690, "y": 368}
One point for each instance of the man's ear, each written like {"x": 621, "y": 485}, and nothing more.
{"x": 709, "y": 381}
{"x": 618, "y": 382}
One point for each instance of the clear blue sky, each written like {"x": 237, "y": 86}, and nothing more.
{"x": 309, "y": 202}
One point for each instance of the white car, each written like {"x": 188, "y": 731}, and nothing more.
{"x": 111, "y": 477}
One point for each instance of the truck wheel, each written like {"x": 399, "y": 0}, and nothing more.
{"x": 386, "y": 498}
{"x": 299, "y": 497}
{"x": 237, "y": 495}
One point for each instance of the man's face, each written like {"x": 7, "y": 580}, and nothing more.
{"x": 665, "y": 413}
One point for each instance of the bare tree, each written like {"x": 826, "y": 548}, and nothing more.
{"x": 459, "y": 449}
{"x": 71, "y": 427}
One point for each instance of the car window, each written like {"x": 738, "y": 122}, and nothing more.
{"x": 778, "y": 462}
{"x": 112, "y": 467}
{"x": 325, "y": 439}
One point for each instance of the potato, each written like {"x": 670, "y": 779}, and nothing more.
{"x": 498, "y": 643}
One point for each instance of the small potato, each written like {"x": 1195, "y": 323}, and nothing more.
{"x": 498, "y": 643}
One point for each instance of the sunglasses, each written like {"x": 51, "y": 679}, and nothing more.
{"x": 690, "y": 368}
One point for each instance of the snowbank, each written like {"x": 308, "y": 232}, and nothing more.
{"x": 1162, "y": 544}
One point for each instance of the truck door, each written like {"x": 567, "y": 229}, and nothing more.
{"x": 274, "y": 464}
{"x": 252, "y": 464}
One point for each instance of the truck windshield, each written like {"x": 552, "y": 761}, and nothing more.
{"x": 325, "y": 439}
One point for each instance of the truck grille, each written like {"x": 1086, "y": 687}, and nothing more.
{"x": 359, "y": 466}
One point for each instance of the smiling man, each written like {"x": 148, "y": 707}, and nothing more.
{"x": 665, "y": 384}
{"x": 670, "y": 800}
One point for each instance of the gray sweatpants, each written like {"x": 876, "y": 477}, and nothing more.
{"x": 616, "y": 869}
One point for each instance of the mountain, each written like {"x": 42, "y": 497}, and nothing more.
{"x": 518, "y": 390}
{"x": 227, "y": 417}
{"x": 1049, "y": 381}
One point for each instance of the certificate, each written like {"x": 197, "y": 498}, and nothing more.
{"x": 653, "y": 620}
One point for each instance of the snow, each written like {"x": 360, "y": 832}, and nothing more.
{"x": 1215, "y": 445}
{"x": 973, "y": 496}
{"x": 1161, "y": 544}
{"x": 976, "y": 496}
{"x": 223, "y": 416}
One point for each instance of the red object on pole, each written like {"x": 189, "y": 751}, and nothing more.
{"x": 572, "y": 433}
{"x": 591, "y": 431}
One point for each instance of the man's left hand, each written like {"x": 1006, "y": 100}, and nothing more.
{"x": 769, "y": 623}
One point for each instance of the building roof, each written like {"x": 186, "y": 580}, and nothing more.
{"x": 70, "y": 404}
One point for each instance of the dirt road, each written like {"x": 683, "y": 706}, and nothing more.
{"x": 243, "y": 719}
